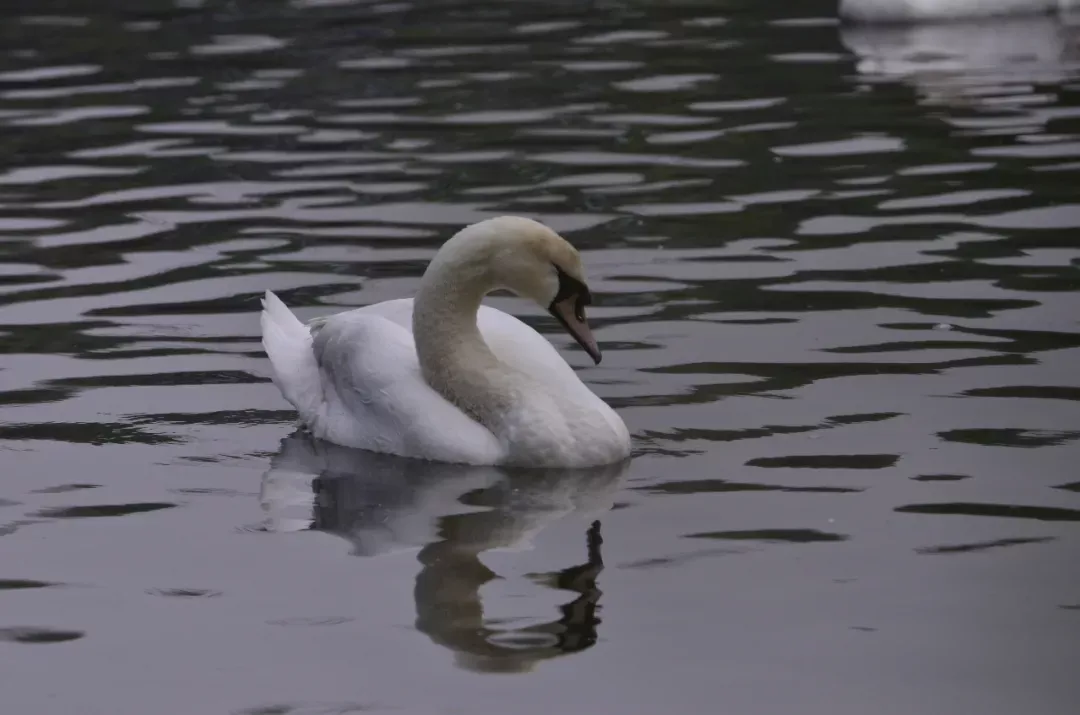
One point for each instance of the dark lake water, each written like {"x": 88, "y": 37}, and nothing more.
{"x": 836, "y": 275}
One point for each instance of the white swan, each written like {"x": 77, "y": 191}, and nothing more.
{"x": 977, "y": 64}
{"x": 873, "y": 11}
{"x": 443, "y": 378}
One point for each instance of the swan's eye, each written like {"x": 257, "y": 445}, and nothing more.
{"x": 570, "y": 287}
{"x": 584, "y": 298}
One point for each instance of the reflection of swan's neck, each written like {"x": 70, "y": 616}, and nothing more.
{"x": 454, "y": 513}
{"x": 449, "y": 609}
{"x": 453, "y": 356}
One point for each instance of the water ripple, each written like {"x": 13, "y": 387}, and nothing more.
{"x": 835, "y": 271}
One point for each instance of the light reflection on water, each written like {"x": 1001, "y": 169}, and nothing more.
{"x": 836, "y": 276}
{"x": 451, "y": 514}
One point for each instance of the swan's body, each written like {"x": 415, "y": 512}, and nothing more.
{"x": 874, "y": 11}
{"x": 977, "y": 64}
{"x": 441, "y": 377}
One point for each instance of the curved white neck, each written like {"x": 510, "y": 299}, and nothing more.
{"x": 454, "y": 358}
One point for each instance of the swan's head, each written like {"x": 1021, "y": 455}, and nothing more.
{"x": 529, "y": 259}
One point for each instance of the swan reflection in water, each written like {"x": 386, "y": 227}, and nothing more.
{"x": 974, "y": 63}
{"x": 452, "y": 513}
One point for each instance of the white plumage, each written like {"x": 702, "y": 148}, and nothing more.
{"x": 443, "y": 378}
{"x": 872, "y": 11}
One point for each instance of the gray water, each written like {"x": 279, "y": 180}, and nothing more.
{"x": 836, "y": 277}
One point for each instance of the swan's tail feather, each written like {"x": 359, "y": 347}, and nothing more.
{"x": 287, "y": 342}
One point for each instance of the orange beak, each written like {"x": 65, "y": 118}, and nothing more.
{"x": 570, "y": 312}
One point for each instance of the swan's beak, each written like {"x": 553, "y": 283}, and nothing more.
{"x": 570, "y": 312}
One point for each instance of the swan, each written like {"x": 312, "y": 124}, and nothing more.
{"x": 443, "y": 378}
{"x": 973, "y": 64}
{"x": 874, "y": 11}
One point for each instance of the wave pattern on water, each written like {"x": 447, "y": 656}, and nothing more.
{"x": 836, "y": 272}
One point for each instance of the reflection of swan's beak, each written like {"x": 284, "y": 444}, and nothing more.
{"x": 572, "y": 317}
{"x": 452, "y": 513}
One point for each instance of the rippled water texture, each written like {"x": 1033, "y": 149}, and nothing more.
{"x": 836, "y": 273}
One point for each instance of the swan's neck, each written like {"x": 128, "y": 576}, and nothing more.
{"x": 453, "y": 356}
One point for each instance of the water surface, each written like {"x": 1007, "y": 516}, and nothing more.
{"x": 836, "y": 277}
